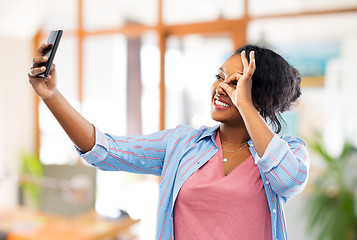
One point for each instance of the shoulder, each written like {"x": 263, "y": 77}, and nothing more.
{"x": 282, "y": 145}
{"x": 185, "y": 132}
{"x": 293, "y": 140}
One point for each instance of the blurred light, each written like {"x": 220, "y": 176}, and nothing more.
{"x": 22, "y": 18}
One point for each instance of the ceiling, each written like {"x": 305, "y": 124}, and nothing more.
{"x": 24, "y": 18}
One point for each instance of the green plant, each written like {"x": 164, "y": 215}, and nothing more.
{"x": 331, "y": 209}
{"x": 31, "y": 167}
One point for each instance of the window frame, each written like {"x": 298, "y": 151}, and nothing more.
{"x": 235, "y": 28}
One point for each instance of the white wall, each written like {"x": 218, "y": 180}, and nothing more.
{"x": 16, "y": 112}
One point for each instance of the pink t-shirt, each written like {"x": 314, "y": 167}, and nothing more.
{"x": 211, "y": 205}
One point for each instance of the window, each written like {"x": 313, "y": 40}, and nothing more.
{"x": 191, "y": 65}
{"x": 191, "y": 11}
{"x": 55, "y": 146}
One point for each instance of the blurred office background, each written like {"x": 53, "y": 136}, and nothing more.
{"x": 139, "y": 66}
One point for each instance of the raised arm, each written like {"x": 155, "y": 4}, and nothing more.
{"x": 284, "y": 161}
{"x": 79, "y": 130}
{"x": 257, "y": 128}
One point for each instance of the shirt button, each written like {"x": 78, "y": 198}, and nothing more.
{"x": 198, "y": 162}
{"x": 266, "y": 182}
{"x": 274, "y": 211}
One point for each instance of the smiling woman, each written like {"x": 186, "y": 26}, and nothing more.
{"x": 275, "y": 168}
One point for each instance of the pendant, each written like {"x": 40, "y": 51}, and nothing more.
{"x": 225, "y": 159}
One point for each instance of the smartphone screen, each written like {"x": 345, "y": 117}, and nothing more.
{"x": 53, "y": 40}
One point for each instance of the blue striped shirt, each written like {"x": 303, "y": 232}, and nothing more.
{"x": 175, "y": 154}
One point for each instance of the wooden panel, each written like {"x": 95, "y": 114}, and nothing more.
{"x": 36, "y": 43}
{"x": 219, "y": 26}
{"x": 39, "y": 226}
{"x": 130, "y": 30}
{"x": 162, "y": 46}
{"x": 80, "y": 35}
{"x": 303, "y": 14}
{"x": 313, "y": 81}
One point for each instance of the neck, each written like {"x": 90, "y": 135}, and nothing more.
{"x": 233, "y": 134}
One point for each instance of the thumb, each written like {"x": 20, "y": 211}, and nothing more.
{"x": 51, "y": 79}
{"x": 53, "y": 69}
{"x": 52, "y": 72}
{"x": 228, "y": 89}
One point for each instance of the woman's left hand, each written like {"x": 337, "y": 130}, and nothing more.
{"x": 242, "y": 94}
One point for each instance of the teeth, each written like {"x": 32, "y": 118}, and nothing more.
{"x": 222, "y": 104}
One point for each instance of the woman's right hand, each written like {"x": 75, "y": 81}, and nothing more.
{"x": 80, "y": 131}
{"x": 44, "y": 87}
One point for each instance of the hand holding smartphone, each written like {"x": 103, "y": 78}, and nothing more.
{"x": 50, "y": 52}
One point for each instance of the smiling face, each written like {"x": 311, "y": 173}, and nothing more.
{"x": 222, "y": 108}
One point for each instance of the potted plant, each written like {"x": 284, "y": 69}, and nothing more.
{"x": 332, "y": 208}
{"x": 31, "y": 169}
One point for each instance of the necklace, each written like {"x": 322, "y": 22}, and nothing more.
{"x": 244, "y": 145}
{"x": 233, "y": 145}
{"x": 234, "y": 150}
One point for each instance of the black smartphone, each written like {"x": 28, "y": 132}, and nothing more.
{"x": 50, "y": 52}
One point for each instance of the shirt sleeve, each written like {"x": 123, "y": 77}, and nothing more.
{"x": 138, "y": 154}
{"x": 285, "y": 164}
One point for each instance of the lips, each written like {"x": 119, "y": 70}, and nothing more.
{"x": 220, "y": 103}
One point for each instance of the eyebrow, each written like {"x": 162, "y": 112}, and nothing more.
{"x": 221, "y": 69}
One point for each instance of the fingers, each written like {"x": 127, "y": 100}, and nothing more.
{"x": 233, "y": 77}
{"x": 39, "y": 61}
{"x": 249, "y": 67}
{"x": 34, "y": 72}
{"x": 44, "y": 47}
{"x": 252, "y": 60}
{"x": 244, "y": 60}
{"x": 52, "y": 70}
{"x": 228, "y": 89}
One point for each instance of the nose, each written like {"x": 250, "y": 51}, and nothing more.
{"x": 220, "y": 90}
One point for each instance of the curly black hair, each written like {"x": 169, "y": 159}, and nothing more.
{"x": 275, "y": 84}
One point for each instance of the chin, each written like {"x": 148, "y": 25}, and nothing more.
{"x": 217, "y": 117}
{"x": 231, "y": 118}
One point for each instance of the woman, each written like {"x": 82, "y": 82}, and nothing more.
{"x": 224, "y": 182}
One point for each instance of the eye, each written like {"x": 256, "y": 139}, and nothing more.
{"x": 234, "y": 83}
{"x": 219, "y": 77}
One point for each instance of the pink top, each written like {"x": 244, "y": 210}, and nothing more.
{"x": 211, "y": 205}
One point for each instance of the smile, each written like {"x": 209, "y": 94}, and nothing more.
{"x": 221, "y": 104}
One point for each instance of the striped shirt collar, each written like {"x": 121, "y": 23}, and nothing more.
{"x": 210, "y": 132}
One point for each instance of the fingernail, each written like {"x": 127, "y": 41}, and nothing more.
{"x": 45, "y": 58}
{"x": 43, "y": 68}
{"x": 243, "y": 52}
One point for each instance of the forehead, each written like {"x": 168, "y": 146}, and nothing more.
{"x": 233, "y": 64}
